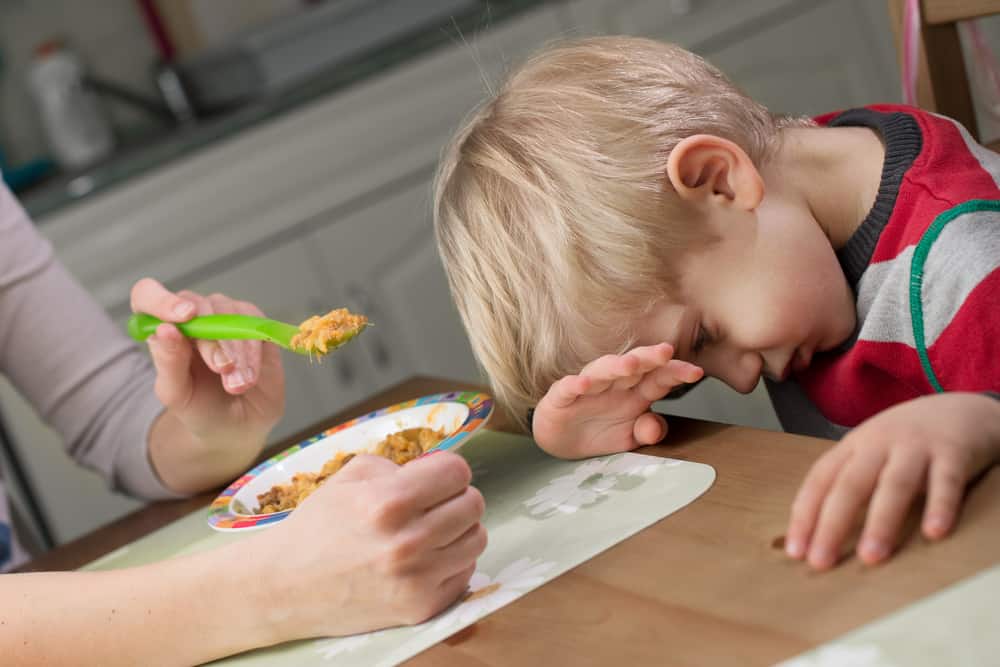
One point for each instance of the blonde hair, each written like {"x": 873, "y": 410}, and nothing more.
{"x": 553, "y": 214}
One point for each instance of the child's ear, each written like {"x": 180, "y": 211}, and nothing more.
{"x": 705, "y": 169}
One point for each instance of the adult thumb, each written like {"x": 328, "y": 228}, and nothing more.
{"x": 171, "y": 354}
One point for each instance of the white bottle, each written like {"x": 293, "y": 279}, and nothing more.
{"x": 79, "y": 133}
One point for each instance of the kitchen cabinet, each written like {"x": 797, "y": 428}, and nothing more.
{"x": 398, "y": 281}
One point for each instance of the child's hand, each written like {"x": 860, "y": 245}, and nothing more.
{"x": 222, "y": 397}
{"x": 605, "y": 408}
{"x": 377, "y": 545}
{"x": 937, "y": 443}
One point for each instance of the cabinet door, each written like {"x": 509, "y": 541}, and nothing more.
{"x": 283, "y": 285}
{"x": 385, "y": 258}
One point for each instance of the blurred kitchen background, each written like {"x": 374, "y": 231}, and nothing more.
{"x": 282, "y": 151}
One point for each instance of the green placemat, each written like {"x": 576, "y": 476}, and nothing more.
{"x": 544, "y": 516}
{"x": 956, "y": 626}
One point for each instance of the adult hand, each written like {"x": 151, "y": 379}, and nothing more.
{"x": 377, "y": 545}
{"x": 224, "y": 396}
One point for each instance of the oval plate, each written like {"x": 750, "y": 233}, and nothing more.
{"x": 459, "y": 414}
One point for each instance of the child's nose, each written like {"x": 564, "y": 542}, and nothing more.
{"x": 741, "y": 371}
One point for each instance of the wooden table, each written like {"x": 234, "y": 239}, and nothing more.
{"x": 706, "y": 586}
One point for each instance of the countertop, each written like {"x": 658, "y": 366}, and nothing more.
{"x": 160, "y": 147}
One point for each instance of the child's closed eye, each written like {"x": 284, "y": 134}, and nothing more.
{"x": 701, "y": 339}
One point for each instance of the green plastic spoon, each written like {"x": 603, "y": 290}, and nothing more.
{"x": 232, "y": 327}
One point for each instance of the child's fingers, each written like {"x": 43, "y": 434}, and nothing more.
{"x": 809, "y": 500}
{"x": 850, "y": 491}
{"x": 650, "y": 358}
{"x": 623, "y": 371}
{"x": 566, "y": 390}
{"x": 604, "y": 371}
{"x": 649, "y": 429}
{"x": 635, "y": 362}
{"x": 900, "y": 481}
{"x": 945, "y": 486}
{"x": 659, "y": 382}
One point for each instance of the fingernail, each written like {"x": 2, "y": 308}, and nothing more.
{"x": 873, "y": 549}
{"x": 236, "y": 379}
{"x": 795, "y": 548}
{"x": 936, "y": 525}
{"x": 220, "y": 359}
{"x": 183, "y": 309}
{"x": 821, "y": 558}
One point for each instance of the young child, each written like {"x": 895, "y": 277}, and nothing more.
{"x": 620, "y": 220}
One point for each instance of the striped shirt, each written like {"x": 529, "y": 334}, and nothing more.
{"x": 925, "y": 269}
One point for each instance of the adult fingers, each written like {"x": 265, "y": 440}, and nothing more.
{"x": 245, "y": 354}
{"x": 809, "y": 500}
{"x": 447, "y": 521}
{"x": 454, "y": 587}
{"x": 171, "y": 355}
{"x": 429, "y": 480}
{"x": 900, "y": 481}
{"x": 150, "y": 296}
{"x": 209, "y": 351}
{"x": 462, "y": 552}
{"x": 849, "y": 493}
{"x": 363, "y": 467}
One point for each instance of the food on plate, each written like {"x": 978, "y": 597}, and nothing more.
{"x": 400, "y": 447}
{"x": 321, "y": 333}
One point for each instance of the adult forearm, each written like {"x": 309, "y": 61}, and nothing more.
{"x": 178, "y": 612}
{"x": 188, "y": 465}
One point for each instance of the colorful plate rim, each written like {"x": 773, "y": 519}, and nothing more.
{"x": 221, "y": 516}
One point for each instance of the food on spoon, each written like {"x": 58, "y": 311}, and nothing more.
{"x": 401, "y": 447}
{"x": 322, "y": 333}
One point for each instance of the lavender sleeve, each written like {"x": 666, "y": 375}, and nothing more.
{"x": 84, "y": 377}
